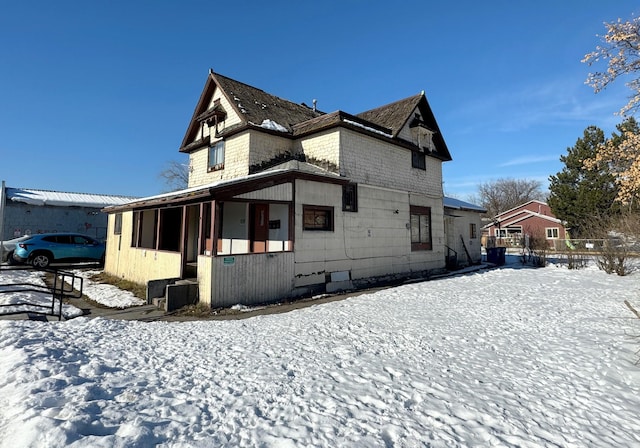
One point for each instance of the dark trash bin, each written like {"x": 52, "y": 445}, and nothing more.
{"x": 496, "y": 255}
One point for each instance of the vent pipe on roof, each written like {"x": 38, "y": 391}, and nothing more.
{"x": 315, "y": 102}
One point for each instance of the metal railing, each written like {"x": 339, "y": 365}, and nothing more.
{"x": 62, "y": 285}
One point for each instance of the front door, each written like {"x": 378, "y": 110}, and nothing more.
{"x": 260, "y": 227}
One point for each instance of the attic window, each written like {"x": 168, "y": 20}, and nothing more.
{"x": 422, "y": 135}
{"x": 213, "y": 115}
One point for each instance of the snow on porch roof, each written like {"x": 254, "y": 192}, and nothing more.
{"x": 64, "y": 199}
{"x": 461, "y": 205}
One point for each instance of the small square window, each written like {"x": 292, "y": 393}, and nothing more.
{"x": 350, "y": 198}
{"x": 317, "y": 218}
{"x": 552, "y": 233}
{"x": 418, "y": 160}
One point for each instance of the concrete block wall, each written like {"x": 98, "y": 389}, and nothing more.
{"x": 374, "y": 241}
{"x": 25, "y": 219}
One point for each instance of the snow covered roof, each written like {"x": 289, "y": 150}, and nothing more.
{"x": 64, "y": 199}
{"x": 461, "y": 205}
{"x": 251, "y": 181}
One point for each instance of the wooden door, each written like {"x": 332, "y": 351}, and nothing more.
{"x": 260, "y": 228}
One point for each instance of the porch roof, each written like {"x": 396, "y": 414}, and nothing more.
{"x": 284, "y": 172}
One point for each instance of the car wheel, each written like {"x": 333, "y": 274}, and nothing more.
{"x": 10, "y": 260}
{"x": 40, "y": 260}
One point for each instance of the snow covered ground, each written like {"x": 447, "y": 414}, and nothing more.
{"x": 508, "y": 357}
{"x": 105, "y": 294}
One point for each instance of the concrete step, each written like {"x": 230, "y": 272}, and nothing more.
{"x": 160, "y": 302}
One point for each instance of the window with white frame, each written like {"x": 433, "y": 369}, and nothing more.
{"x": 216, "y": 156}
{"x": 552, "y": 233}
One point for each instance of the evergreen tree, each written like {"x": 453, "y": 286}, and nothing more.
{"x": 578, "y": 194}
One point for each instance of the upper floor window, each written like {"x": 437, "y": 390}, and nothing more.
{"x": 216, "y": 156}
{"x": 420, "y": 228}
{"x": 473, "y": 231}
{"x": 418, "y": 160}
{"x": 350, "y": 198}
{"x": 316, "y": 217}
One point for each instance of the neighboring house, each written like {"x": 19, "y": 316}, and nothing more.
{"x": 463, "y": 230}
{"x": 29, "y": 211}
{"x": 531, "y": 218}
{"x": 285, "y": 201}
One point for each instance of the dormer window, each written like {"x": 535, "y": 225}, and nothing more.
{"x": 422, "y": 135}
{"x": 212, "y": 116}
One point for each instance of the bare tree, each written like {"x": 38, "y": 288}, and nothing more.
{"x": 175, "y": 176}
{"x": 503, "y": 194}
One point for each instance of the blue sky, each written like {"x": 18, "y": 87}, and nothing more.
{"x": 96, "y": 96}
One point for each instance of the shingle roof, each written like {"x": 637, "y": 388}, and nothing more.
{"x": 256, "y": 106}
{"x": 259, "y": 109}
{"x": 394, "y": 115}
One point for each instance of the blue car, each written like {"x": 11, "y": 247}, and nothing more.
{"x": 44, "y": 249}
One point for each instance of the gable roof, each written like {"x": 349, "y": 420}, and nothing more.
{"x": 519, "y": 214}
{"x": 393, "y": 115}
{"x": 518, "y": 207}
{"x": 396, "y": 115}
{"x": 254, "y": 106}
{"x": 258, "y": 109}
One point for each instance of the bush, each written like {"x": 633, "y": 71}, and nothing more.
{"x": 576, "y": 260}
{"x": 614, "y": 257}
{"x": 534, "y": 249}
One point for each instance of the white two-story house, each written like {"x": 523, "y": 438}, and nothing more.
{"x": 285, "y": 201}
